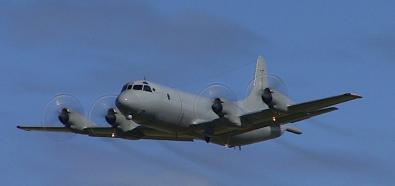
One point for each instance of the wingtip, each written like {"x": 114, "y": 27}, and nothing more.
{"x": 354, "y": 95}
{"x": 22, "y": 128}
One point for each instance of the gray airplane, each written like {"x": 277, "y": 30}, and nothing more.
{"x": 145, "y": 110}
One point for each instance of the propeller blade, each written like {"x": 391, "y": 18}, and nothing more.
{"x": 221, "y": 101}
{"x": 56, "y": 113}
{"x": 99, "y": 113}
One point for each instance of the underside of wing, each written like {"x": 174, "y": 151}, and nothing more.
{"x": 148, "y": 133}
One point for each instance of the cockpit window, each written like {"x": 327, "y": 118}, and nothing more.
{"x": 130, "y": 87}
{"x": 147, "y": 88}
{"x": 124, "y": 87}
{"x": 137, "y": 87}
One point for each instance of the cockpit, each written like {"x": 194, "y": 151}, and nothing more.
{"x": 138, "y": 86}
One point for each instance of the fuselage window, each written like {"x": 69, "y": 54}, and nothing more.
{"x": 147, "y": 88}
{"x": 137, "y": 87}
{"x": 168, "y": 96}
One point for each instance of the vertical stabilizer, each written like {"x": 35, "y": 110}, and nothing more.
{"x": 260, "y": 80}
{"x": 253, "y": 102}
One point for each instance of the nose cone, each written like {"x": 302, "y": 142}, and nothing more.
{"x": 123, "y": 102}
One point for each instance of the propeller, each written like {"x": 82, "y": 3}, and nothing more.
{"x": 275, "y": 95}
{"x": 58, "y": 110}
{"x": 102, "y": 112}
{"x": 275, "y": 83}
{"x": 219, "y": 99}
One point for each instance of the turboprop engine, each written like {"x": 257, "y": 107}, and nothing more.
{"x": 72, "y": 119}
{"x": 105, "y": 112}
{"x": 116, "y": 119}
{"x": 275, "y": 100}
{"x": 68, "y": 110}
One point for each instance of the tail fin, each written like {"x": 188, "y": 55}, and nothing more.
{"x": 253, "y": 101}
{"x": 260, "y": 81}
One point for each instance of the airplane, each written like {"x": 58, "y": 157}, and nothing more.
{"x": 146, "y": 110}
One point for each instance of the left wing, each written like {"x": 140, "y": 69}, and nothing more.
{"x": 298, "y": 112}
{"x": 109, "y": 132}
{"x": 322, "y": 103}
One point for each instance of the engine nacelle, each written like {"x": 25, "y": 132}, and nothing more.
{"x": 73, "y": 120}
{"x": 116, "y": 119}
{"x": 276, "y": 100}
{"x": 228, "y": 110}
{"x": 257, "y": 135}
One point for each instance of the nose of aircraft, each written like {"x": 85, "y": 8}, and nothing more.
{"x": 123, "y": 102}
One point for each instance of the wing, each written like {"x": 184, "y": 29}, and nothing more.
{"x": 322, "y": 103}
{"x": 45, "y": 129}
{"x": 135, "y": 134}
{"x": 268, "y": 117}
{"x": 300, "y": 111}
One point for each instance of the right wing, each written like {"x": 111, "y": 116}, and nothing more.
{"x": 46, "y": 129}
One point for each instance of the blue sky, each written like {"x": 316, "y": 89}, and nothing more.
{"x": 91, "y": 48}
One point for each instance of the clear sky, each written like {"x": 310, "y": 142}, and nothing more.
{"x": 90, "y": 48}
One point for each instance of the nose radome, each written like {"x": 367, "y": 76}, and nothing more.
{"x": 122, "y": 102}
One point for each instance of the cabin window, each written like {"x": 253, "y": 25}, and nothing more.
{"x": 147, "y": 88}
{"x": 137, "y": 87}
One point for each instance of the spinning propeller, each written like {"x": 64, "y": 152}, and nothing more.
{"x": 105, "y": 112}
{"x": 60, "y": 106}
{"x": 275, "y": 95}
{"x": 220, "y": 100}
{"x": 65, "y": 109}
